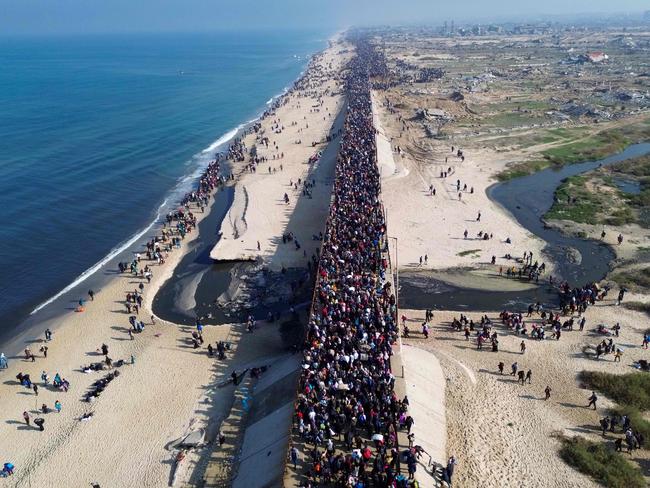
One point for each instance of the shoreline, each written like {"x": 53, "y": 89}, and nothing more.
{"x": 173, "y": 381}
{"x": 100, "y": 274}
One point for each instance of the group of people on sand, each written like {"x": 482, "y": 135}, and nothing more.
{"x": 575, "y": 300}
{"x": 633, "y": 439}
{"x": 347, "y": 414}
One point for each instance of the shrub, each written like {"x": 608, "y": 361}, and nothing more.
{"x": 637, "y": 421}
{"x": 631, "y": 389}
{"x": 607, "y": 467}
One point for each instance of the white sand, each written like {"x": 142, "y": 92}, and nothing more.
{"x": 259, "y": 213}
{"x": 434, "y": 225}
{"x": 502, "y": 433}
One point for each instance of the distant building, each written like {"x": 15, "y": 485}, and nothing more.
{"x": 597, "y": 57}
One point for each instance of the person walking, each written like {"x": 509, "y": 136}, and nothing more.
{"x": 57, "y": 406}
{"x": 4, "y": 364}
{"x": 293, "y": 453}
{"x": 409, "y": 423}
{"x": 592, "y": 400}
{"x": 529, "y": 375}
{"x": 448, "y": 473}
{"x": 513, "y": 369}
{"x": 522, "y": 347}
{"x": 547, "y": 392}
{"x": 26, "y": 417}
{"x": 604, "y": 425}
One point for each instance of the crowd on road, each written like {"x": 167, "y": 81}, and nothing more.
{"x": 347, "y": 408}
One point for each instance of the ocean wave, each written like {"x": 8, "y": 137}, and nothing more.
{"x": 93, "y": 269}
{"x": 200, "y": 161}
{"x": 182, "y": 187}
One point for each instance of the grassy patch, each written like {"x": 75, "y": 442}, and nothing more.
{"x": 599, "y": 201}
{"x": 468, "y": 252}
{"x": 593, "y": 147}
{"x": 635, "y": 279}
{"x": 522, "y": 169}
{"x": 607, "y": 467}
{"x": 586, "y": 206}
{"x": 509, "y": 120}
{"x": 637, "y": 420}
{"x": 631, "y": 389}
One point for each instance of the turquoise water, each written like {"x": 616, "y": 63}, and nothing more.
{"x": 97, "y": 134}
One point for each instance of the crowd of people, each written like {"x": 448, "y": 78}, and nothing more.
{"x": 347, "y": 408}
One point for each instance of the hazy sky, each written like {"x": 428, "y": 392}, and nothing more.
{"x": 83, "y": 16}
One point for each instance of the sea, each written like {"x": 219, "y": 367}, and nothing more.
{"x": 101, "y": 135}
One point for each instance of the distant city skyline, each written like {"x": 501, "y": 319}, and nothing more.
{"x": 83, "y": 16}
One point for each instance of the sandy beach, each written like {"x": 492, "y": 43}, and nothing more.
{"x": 440, "y": 223}
{"x": 171, "y": 387}
{"x": 500, "y": 430}
{"x": 298, "y": 131}
{"x": 434, "y": 225}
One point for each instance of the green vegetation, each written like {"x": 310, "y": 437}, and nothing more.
{"x": 509, "y": 120}
{"x": 540, "y": 136}
{"x": 637, "y": 420}
{"x": 581, "y": 202}
{"x": 634, "y": 279}
{"x": 522, "y": 169}
{"x": 631, "y": 389}
{"x": 638, "y": 168}
{"x": 594, "y": 198}
{"x": 607, "y": 467}
{"x": 469, "y": 251}
{"x": 596, "y": 146}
